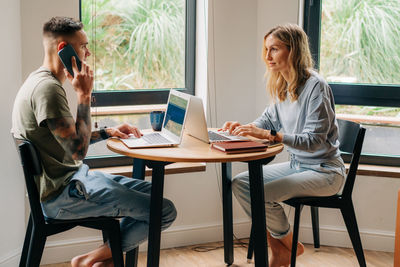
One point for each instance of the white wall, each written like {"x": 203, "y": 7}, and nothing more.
{"x": 269, "y": 14}
{"x": 11, "y": 182}
{"x": 235, "y": 92}
{"x": 233, "y": 25}
{"x": 33, "y": 15}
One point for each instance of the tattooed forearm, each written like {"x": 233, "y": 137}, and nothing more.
{"x": 73, "y": 136}
{"x": 83, "y": 113}
{"x": 83, "y": 123}
{"x": 83, "y": 130}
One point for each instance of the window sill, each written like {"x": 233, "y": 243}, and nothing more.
{"x": 180, "y": 167}
{"x": 175, "y": 168}
{"x": 376, "y": 170}
{"x": 120, "y": 110}
{"x": 369, "y": 119}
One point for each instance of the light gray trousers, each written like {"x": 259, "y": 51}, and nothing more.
{"x": 286, "y": 180}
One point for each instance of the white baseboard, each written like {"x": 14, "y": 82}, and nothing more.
{"x": 338, "y": 237}
{"x": 11, "y": 259}
{"x": 64, "y": 250}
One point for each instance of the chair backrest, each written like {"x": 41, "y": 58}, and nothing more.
{"x": 30, "y": 161}
{"x": 351, "y": 138}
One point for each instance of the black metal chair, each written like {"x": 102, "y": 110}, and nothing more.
{"x": 351, "y": 137}
{"x": 39, "y": 228}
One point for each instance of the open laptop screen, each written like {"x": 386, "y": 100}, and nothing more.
{"x": 175, "y": 115}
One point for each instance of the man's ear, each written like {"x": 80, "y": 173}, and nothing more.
{"x": 61, "y": 45}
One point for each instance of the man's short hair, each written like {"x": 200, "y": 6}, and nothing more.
{"x": 61, "y": 26}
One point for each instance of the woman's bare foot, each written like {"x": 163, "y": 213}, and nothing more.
{"x": 281, "y": 250}
{"x": 280, "y": 255}
{"x": 99, "y": 255}
{"x": 287, "y": 242}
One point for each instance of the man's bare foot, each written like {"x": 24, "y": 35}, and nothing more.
{"x": 101, "y": 254}
{"x": 80, "y": 261}
{"x": 107, "y": 263}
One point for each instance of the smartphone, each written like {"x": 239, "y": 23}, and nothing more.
{"x": 66, "y": 54}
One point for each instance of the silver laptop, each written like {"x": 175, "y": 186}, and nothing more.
{"x": 172, "y": 128}
{"x": 196, "y": 125}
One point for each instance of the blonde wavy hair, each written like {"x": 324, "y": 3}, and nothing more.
{"x": 300, "y": 62}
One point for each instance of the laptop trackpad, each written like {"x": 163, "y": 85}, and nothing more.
{"x": 135, "y": 142}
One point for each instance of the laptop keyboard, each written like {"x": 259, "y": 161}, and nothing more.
{"x": 216, "y": 137}
{"x": 155, "y": 138}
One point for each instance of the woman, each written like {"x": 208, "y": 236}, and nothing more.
{"x": 303, "y": 118}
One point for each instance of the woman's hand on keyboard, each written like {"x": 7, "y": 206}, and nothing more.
{"x": 251, "y": 130}
{"x": 230, "y": 126}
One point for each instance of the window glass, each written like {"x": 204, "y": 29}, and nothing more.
{"x": 136, "y": 44}
{"x": 381, "y": 140}
{"x": 359, "y": 41}
{"x": 382, "y": 124}
{"x": 359, "y": 56}
{"x": 140, "y": 49}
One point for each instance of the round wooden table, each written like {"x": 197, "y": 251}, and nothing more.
{"x": 194, "y": 150}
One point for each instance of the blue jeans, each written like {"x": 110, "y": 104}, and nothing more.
{"x": 94, "y": 194}
{"x": 286, "y": 180}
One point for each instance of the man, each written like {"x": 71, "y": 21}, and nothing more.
{"x": 67, "y": 188}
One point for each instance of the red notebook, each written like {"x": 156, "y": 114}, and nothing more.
{"x": 239, "y": 147}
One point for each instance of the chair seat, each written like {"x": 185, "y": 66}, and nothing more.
{"x": 335, "y": 201}
{"x": 77, "y": 221}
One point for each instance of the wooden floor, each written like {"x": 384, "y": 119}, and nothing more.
{"x": 325, "y": 256}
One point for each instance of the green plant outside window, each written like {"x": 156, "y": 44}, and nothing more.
{"x": 359, "y": 45}
{"x": 136, "y": 44}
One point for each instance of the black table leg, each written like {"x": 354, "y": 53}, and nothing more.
{"x": 139, "y": 169}
{"x": 153, "y": 253}
{"x": 258, "y": 213}
{"x": 227, "y": 211}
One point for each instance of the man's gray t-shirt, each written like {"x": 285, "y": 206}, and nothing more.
{"x": 309, "y": 125}
{"x": 42, "y": 97}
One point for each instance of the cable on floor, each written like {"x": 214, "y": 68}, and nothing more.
{"x": 237, "y": 243}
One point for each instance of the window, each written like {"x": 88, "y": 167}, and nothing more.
{"x": 354, "y": 44}
{"x": 140, "y": 50}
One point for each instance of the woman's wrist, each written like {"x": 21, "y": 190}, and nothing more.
{"x": 266, "y": 134}
{"x": 273, "y": 136}
{"x": 279, "y": 137}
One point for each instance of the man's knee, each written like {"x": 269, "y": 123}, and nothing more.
{"x": 169, "y": 212}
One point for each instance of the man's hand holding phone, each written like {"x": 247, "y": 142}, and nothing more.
{"x": 66, "y": 52}
{"x": 78, "y": 73}
{"x": 82, "y": 81}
